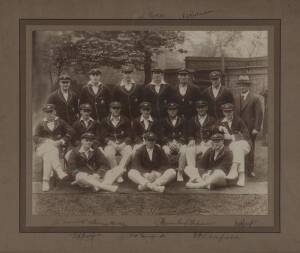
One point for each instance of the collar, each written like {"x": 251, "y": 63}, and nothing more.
{"x": 202, "y": 117}
{"x": 45, "y": 120}
{"x": 65, "y": 92}
{"x": 123, "y": 82}
{"x": 245, "y": 94}
{"x": 161, "y": 82}
{"x": 143, "y": 119}
{"x": 97, "y": 84}
{"x": 82, "y": 151}
{"x": 219, "y": 87}
{"x": 89, "y": 119}
{"x": 115, "y": 118}
{"x": 176, "y": 118}
{"x": 225, "y": 120}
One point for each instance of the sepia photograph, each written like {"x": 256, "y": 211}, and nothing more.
{"x": 149, "y": 122}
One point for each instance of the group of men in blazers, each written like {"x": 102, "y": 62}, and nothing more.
{"x": 153, "y": 133}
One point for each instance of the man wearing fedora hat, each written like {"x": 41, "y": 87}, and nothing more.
{"x": 237, "y": 138}
{"x": 215, "y": 166}
{"x": 216, "y": 95}
{"x": 185, "y": 94}
{"x": 96, "y": 94}
{"x": 158, "y": 93}
{"x": 249, "y": 108}
{"x": 150, "y": 166}
{"x": 65, "y": 100}
{"x": 129, "y": 94}
{"x": 51, "y": 135}
{"x": 89, "y": 167}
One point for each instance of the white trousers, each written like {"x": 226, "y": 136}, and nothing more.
{"x": 193, "y": 151}
{"x": 154, "y": 177}
{"x": 51, "y": 162}
{"x": 239, "y": 150}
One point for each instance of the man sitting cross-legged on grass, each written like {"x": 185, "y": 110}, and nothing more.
{"x": 216, "y": 162}
{"x": 52, "y": 135}
{"x": 143, "y": 124}
{"x": 149, "y": 168}
{"x": 89, "y": 167}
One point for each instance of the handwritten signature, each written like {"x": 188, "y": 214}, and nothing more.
{"x": 195, "y": 13}
{"x": 184, "y": 221}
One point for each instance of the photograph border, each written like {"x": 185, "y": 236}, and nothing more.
{"x": 275, "y": 23}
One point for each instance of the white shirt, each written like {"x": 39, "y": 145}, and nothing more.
{"x": 174, "y": 121}
{"x": 95, "y": 87}
{"x": 50, "y": 124}
{"x": 228, "y": 122}
{"x": 87, "y": 152}
{"x": 86, "y": 122}
{"x": 150, "y": 153}
{"x": 182, "y": 89}
{"x": 146, "y": 121}
{"x": 157, "y": 85}
{"x": 202, "y": 119}
{"x": 65, "y": 95}
{"x": 244, "y": 95}
{"x": 127, "y": 85}
{"x": 115, "y": 121}
{"x": 216, "y": 90}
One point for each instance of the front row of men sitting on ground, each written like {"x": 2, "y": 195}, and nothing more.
{"x": 211, "y": 153}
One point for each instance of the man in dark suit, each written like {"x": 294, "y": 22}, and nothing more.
{"x": 89, "y": 167}
{"x": 249, "y": 108}
{"x": 185, "y": 95}
{"x": 143, "y": 124}
{"x": 217, "y": 95}
{"x": 129, "y": 94}
{"x": 199, "y": 130}
{"x": 216, "y": 162}
{"x": 237, "y": 139}
{"x": 86, "y": 124}
{"x": 116, "y": 135}
{"x": 173, "y": 137}
{"x": 150, "y": 166}
{"x": 65, "y": 100}
{"x": 51, "y": 135}
{"x": 96, "y": 94}
{"x": 158, "y": 93}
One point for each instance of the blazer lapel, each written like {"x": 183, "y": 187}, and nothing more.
{"x": 128, "y": 92}
{"x": 220, "y": 92}
{"x": 62, "y": 98}
{"x": 220, "y": 154}
{"x": 245, "y": 102}
{"x": 90, "y": 89}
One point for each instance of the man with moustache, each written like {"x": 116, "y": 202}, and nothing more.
{"x": 96, "y": 94}
{"x": 217, "y": 95}
{"x": 65, "y": 100}
{"x": 249, "y": 108}
{"x": 129, "y": 94}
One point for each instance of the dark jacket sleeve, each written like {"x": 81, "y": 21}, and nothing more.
{"x": 73, "y": 168}
{"x": 226, "y": 163}
{"x": 128, "y": 132}
{"x": 101, "y": 161}
{"x": 164, "y": 161}
{"x": 137, "y": 161}
{"x": 37, "y": 137}
{"x": 258, "y": 114}
{"x": 69, "y": 131}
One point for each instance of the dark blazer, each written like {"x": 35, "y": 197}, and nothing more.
{"x": 99, "y": 102}
{"x": 214, "y": 104}
{"x": 62, "y": 130}
{"x": 250, "y": 111}
{"x": 120, "y": 133}
{"x": 170, "y": 132}
{"x": 187, "y": 102}
{"x": 238, "y": 129}
{"x": 80, "y": 128}
{"x": 95, "y": 163}
{"x": 138, "y": 129}
{"x": 159, "y": 100}
{"x": 197, "y": 132}
{"x": 142, "y": 162}
{"x": 223, "y": 160}
{"x": 66, "y": 110}
{"x": 129, "y": 100}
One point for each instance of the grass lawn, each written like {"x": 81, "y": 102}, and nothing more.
{"x": 88, "y": 203}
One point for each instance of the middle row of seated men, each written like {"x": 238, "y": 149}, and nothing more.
{"x": 171, "y": 139}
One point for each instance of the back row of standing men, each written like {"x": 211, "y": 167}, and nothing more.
{"x": 161, "y": 99}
